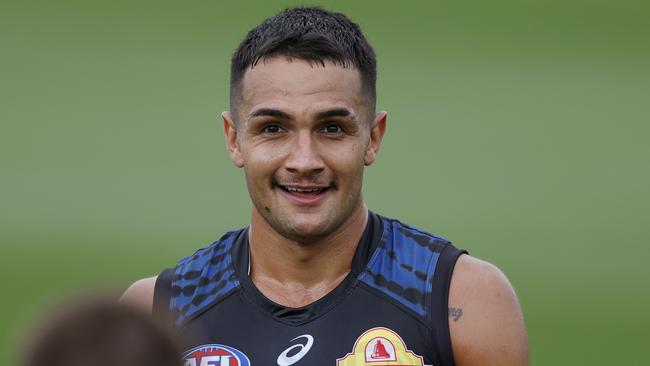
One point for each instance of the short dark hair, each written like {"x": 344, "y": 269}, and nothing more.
{"x": 311, "y": 34}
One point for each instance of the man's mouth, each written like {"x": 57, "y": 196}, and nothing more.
{"x": 305, "y": 194}
{"x": 303, "y": 190}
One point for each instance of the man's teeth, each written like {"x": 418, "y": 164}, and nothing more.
{"x": 302, "y": 190}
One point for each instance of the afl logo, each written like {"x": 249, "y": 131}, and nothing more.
{"x": 215, "y": 355}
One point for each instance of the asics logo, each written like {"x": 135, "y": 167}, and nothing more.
{"x": 285, "y": 360}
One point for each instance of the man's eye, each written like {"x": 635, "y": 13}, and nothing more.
{"x": 272, "y": 129}
{"x": 332, "y": 128}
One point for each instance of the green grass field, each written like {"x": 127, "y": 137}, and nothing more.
{"x": 517, "y": 129}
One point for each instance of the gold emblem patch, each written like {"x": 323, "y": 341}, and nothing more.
{"x": 380, "y": 347}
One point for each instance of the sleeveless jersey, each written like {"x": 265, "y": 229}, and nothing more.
{"x": 391, "y": 309}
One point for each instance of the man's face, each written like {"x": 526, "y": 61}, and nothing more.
{"x": 303, "y": 135}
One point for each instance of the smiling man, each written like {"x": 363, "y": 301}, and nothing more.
{"x": 316, "y": 278}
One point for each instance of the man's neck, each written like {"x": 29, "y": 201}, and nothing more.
{"x": 295, "y": 274}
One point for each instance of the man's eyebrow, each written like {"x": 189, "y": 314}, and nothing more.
{"x": 335, "y": 112}
{"x": 269, "y": 112}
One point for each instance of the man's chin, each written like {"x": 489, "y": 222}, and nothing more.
{"x": 305, "y": 229}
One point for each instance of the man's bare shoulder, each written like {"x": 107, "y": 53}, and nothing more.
{"x": 140, "y": 294}
{"x": 486, "y": 323}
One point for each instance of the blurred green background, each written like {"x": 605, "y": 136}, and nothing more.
{"x": 518, "y": 129}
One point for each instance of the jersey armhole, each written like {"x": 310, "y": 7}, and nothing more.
{"x": 440, "y": 302}
{"x": 162, "y": 297}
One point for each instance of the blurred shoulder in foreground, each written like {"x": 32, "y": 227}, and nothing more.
{"x": 99, "y": 332}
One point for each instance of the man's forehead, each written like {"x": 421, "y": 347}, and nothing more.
{"x": 300, "y": 84}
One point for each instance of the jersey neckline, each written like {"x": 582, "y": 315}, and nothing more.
{"x": 369, "y": 241}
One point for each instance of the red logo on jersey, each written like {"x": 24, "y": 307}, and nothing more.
{"x": 215, "y": 355}
{"x": 378, "y": 350}
{"x": 380, "y": 347}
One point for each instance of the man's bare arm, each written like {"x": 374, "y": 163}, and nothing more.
{"x": 485, "y": 319}
{"x": 140, "y": 294}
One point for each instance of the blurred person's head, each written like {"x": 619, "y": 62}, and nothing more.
{"x": 99, "y": 333}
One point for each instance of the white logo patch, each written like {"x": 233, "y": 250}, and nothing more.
{"x": 285, "y": 360}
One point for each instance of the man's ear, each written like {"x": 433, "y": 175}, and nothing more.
{"x": 377, "y": 130}
{"x": 230, "y": 132}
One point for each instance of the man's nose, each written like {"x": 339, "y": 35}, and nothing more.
{"x": 304, "y": 158}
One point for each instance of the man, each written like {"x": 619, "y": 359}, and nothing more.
{"x": 318, "y": 279}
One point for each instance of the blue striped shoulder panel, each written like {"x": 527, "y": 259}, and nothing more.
{"x": 203, "y": 278}
{"x": 404, "y": 264}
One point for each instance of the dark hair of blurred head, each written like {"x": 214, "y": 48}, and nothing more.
{"x": 306, "y": 33}
{"x": 100, "y": 333}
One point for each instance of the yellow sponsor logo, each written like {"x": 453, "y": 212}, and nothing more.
{"x": 380, "y": 347}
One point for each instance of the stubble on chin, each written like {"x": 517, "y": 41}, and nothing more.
{"x": 289, "y": 226}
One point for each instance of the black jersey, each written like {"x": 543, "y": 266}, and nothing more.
{"x": 391, "y": 309}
